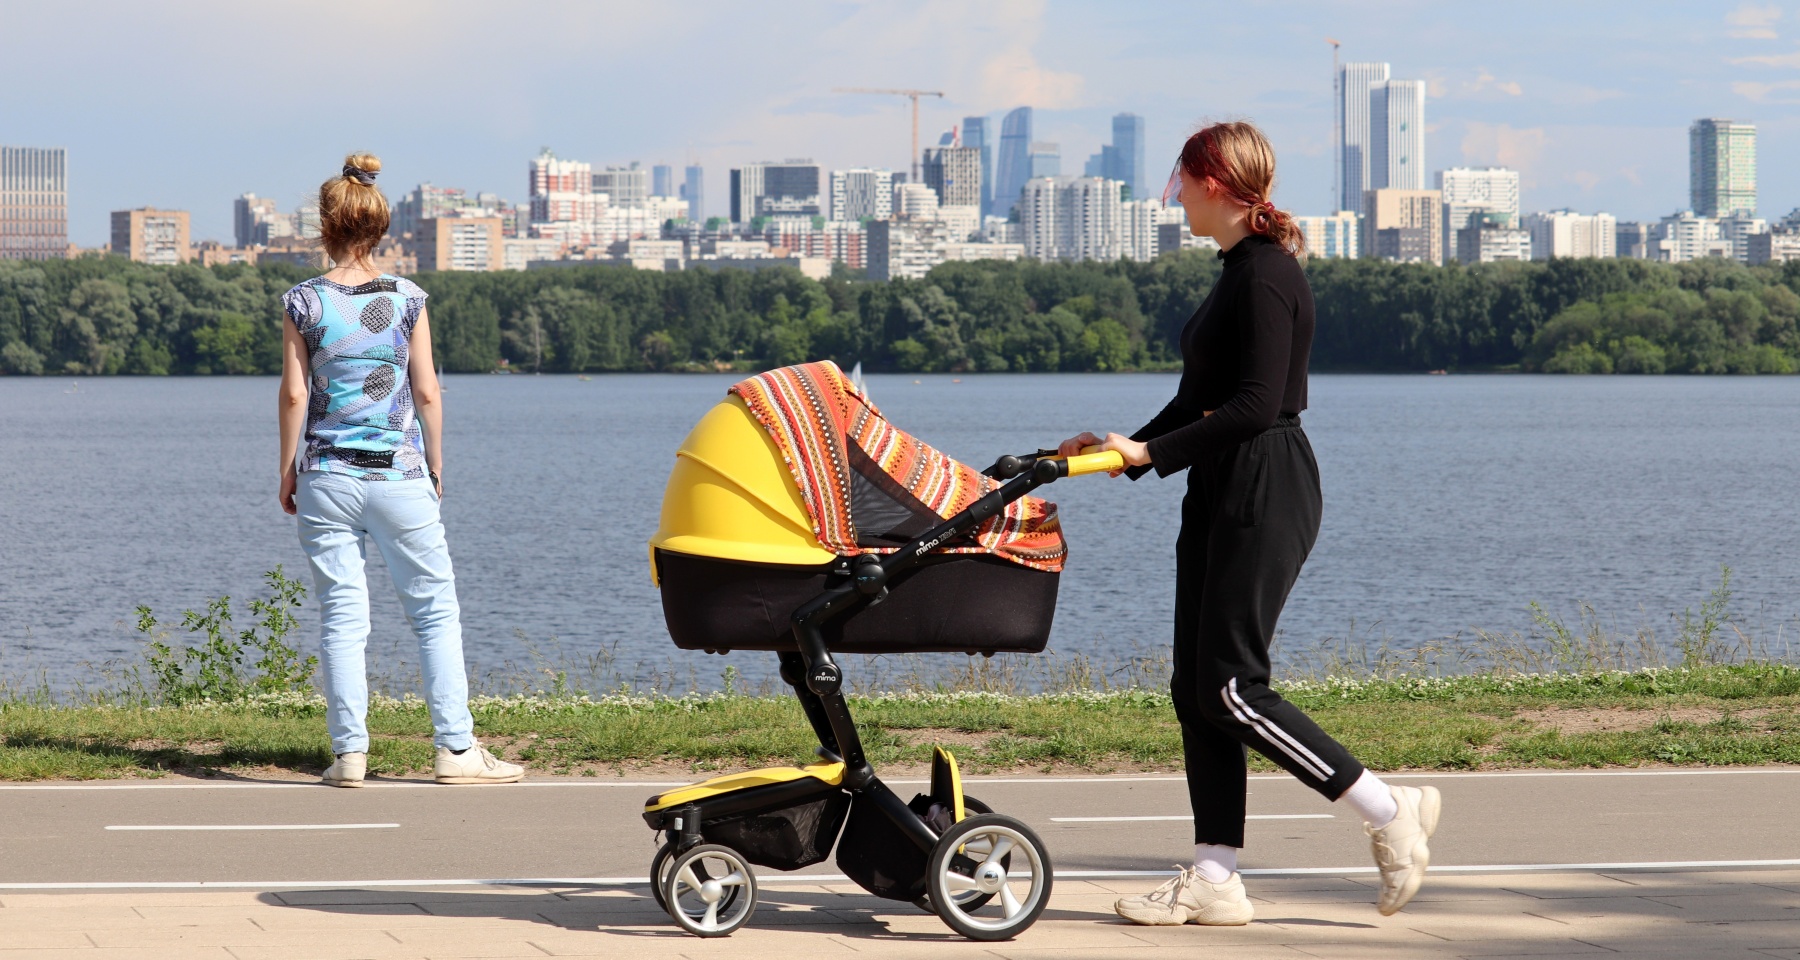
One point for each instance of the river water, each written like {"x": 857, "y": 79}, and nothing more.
{"x": 1450, "y": 503}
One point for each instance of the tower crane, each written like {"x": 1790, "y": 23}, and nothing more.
{"x": 912, "y": 95}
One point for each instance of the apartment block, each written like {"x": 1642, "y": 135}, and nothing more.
{"x": 1773, "y": 248}
{"x": 1072, "y": 218}
{"x": 1404, "y": 225}
{"x": 562, "y": 196}
{"x": 1468, "y": 191}
{"x": 1722, "y": 167}
{"x": 1565, "y": 233}
{"x": 460, "y": 243}
{"x": 149, "y": 235}
{"x": 862, "y": 193}
{"x": 792, "y": 188}
{"x": 1492, "y": 238}
{"x": 34, "y": 203}
{"x": 1685, "y": 236}
{"x": 1335, "y": 237}
{"x": 622, "y": 186}
{"x": 954, "y": 174}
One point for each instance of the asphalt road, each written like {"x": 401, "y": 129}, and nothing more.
{"x": 398, "y": 832}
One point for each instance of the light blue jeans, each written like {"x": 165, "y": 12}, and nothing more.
{"x": 336, "y": 513}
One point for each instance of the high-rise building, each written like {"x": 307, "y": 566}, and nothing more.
{"x": 954, "y": 174}
{"x": 1356, "y": 141}
{"x": 1044, "y": 160}
{"x": 34, "y": 203}
{"x": 1738, "y": 229}
{"x": 1685, "y": 236}
{"x": 1404, "y": 225}
{"x": 787, "y": 189}
{"x": 562, "y": 191}
{"x": 861, "y": 194}
{"x": 427, "y": 202}
{"x": 1397, "y": 112}
{"x": 1468, "y": 191}
{"x": 1492, "y": 238}
{"x": 1333, "y": 237}
{"x": 626, "y": 187}
{"x": 1565, "y": 233}
{"x": 459, "y": 243}
{"x": 1013, "y": 163}
{"x": 693, "y": 190}
{"x": 1635, "y": 240}
{"x": 149, "y": 235}
{"x": 1128, "y": 148}
{"x": 1722, "y": 167}
{"x": 1072, "y": 218}
{"x": 662, "y": 180}
{"x": 247, "y": 213}
{"x": 975, "y": 135}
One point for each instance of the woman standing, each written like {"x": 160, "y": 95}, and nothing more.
{"x": 1250, "y": 517}
{"x": 356, "y": 359}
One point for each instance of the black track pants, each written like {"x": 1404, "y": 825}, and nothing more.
{"x": 1250, "y": 517}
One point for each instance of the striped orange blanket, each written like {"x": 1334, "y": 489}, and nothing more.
{"x": 870, "y": 487}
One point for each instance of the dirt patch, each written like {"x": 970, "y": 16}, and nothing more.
{"x": 1579, "y": 720}
{"x": 951, "y": 739}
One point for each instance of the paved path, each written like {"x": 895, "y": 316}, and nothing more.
{"x": 1651, "y": 864}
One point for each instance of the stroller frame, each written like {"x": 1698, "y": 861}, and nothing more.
{"x": 955, "y": 876}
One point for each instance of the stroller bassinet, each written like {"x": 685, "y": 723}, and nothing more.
{"x": 798, "y": 520}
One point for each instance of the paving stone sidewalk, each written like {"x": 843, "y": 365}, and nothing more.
{"x": 1752, "y": 914}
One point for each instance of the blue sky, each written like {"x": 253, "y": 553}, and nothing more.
{"x": 188, "y": 103}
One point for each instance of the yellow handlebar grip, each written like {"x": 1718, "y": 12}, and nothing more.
{"x": 1098, "y": 461}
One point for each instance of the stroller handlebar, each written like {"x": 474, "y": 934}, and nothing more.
{"x": 1094, "y": 460}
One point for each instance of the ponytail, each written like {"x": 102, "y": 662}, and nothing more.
{"x": 353, "y": 213}
{"x": 1237, "y": 159}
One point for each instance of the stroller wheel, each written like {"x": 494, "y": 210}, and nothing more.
{"x": 709, "y": 890}
{"x": 659, "y": 870}
{"x": 993, "y": 855}
{"x": 971, "y": 899}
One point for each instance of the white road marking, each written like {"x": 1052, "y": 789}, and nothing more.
{"x": 1253, "y": 816}
{"x": 1653, "y": 865}
{"x": 585, "y": 782}
{"x": 258, "y": 826}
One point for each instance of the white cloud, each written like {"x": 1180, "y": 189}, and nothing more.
{"x": 1770, "y": 60}
{"x": 1751, "y": 22}
{"x": 1785, "y": 91}
{"x": 1503, "y": 145}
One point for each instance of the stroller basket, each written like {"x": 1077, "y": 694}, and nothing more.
{"x": 786, "y": 839}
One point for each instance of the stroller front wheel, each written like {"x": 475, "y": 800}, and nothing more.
{"x": 994, "y": 855}
{"x": 709, "y": 890}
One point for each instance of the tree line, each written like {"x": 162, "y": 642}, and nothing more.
{"x": 111, "y": 316}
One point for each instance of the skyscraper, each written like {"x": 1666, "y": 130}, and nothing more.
{"x": 1044, "y": 160}
{"x": 1356, "y": 82}
{"x": 662, "y": 180}
{"x": 1014, "y": 161}
{"x": 862, "y": 194}
{"x": 787, "y": 189}
{"x": 249, "y": 212}
{"x": 1722, "y": 167}
{"x": 693, "y": 190}
{"x": 34, "y": 203}
{"x": 1468, "y": 192}
{"x": 1397, "y": 122}
{"x": 975, "y": 135}
{"x": 1128, "y": 153}
{"x": 954, "y": 173}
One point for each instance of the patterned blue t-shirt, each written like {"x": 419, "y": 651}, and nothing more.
{"x": 359, "y": 420}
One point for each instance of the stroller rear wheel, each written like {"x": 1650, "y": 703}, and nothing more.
{"x": 709, "y": 890}
{"x": 972, "y": 899}
{"x": 994, "y": 855}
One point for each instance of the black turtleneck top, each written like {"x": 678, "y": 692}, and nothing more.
{"x": 1244, "y": 356}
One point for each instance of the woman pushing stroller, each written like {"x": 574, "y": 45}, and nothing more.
{"x": 1250, "y": 517}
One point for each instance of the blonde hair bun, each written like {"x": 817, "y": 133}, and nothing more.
{"x": 353, "y": 213}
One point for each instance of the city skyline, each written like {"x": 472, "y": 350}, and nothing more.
{"x": 1593, "y": 113}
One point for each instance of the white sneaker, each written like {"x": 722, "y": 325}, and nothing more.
{"x": 1401, "y": 853}
{"x": 474, "y": 765}
{"x": 347, "y": 770}
{"x": 1189, "y": 897}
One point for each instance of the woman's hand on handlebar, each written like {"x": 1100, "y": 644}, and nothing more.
{"x": 1136, "y": 454}
{"x": 1073, "y": 445}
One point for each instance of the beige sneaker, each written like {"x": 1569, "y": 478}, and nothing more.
{"x": 1188, "y": 897}
{"x": 474, "y": 765}
{"x": 347, "y": 770}
{"x": 1400, "y": 847}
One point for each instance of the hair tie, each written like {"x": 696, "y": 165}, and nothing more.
{"x": 360, "y": 175}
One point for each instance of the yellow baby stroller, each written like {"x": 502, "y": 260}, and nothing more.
{"x": 797, "y": 520}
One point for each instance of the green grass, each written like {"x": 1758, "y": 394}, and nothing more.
{"x": 1724, "y": 714}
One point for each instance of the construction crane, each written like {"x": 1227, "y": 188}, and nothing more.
{"x": 912, "y": 95}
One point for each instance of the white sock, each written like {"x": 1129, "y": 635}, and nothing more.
{"x": 1214, "y": 862}
{"x": 1372, "y": 800}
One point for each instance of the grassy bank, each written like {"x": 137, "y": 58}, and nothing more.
{"x": 1725, "y": 714}
{"x": 228, "y": 698}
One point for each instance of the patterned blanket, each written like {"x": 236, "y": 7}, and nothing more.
{"x": 870, "y": 487}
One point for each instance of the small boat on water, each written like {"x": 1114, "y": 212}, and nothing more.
{"x": 856, "y": 380}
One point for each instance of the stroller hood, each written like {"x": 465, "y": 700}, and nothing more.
{"x": 797, "y": 467}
